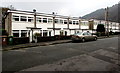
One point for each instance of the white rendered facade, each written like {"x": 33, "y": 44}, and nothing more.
{"x": 23, "y": 24}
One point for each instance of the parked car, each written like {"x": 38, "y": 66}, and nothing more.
{"x": 83, "y": 36}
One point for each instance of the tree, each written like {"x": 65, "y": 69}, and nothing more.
{"x": 3, "y": 32}
{"x": 4, "y": 15}
{"x": 100, "y": 28}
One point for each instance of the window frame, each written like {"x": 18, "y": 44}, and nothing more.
{"x": 45, "y": 20}
{"x": 23, "y": 18}
{"x": 50, "y": 20}
{"x": 31, "y": 19}
{"x": 61, "y": 21}
{"x": 56, "y": 20}
{"x": 65, "y": 22}
{"x": 14, "y": 17}
{"x": 39, "y": 19}
{"x": 70, "y": 21}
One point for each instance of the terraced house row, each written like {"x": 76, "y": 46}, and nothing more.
{"x": 27, "y": 24}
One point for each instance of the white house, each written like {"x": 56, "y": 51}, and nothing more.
{"x": 26, "y": 24}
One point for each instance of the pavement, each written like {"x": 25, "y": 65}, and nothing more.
{"x": 20, "y": 46}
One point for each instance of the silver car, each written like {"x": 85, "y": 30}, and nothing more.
{"x": 83, "y": 36}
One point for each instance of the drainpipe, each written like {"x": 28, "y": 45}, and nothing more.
{"x": 34, "y": 17}
{"x": 79, "y": 24}
{"x": 34, "y": 22}
{"x": 54, "y": 22}
{"x": 68, "y": 22}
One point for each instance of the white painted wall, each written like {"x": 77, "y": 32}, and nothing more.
{"x": 19, "y": 25}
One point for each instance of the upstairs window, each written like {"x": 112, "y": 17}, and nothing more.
{"x": 30, "y": 19}
{"x": 44, "y": 20}
{"x": 65, "y": 21}
{"x": 73, "y": 22}
{"x": 56, "y": 20}
{"x": 70, "y": 22}
{"x": 50, "y": 20}
{"x": 61, "y": 21}
{"x": 84, "y": 23}
{"x": 77, "y": 22}
{"x": 23, "y": 18}
{"x": 15, "y": 18}
{"x": 39, "y": 19}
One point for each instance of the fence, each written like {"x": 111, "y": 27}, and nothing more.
{"x": 20, "y": 40}
{"x": 52, "y": 38}
{"x": 13, "y": 40}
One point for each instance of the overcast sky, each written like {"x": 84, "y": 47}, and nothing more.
{"x": 74, "y": 8}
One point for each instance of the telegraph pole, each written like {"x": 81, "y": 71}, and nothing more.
{"x": 106, "y": 19}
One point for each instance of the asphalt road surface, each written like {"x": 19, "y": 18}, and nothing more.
{"x": 16, "y": 60}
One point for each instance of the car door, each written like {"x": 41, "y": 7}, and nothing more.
{"x": 86, "y": 36}
{"x": 90, "y": 36}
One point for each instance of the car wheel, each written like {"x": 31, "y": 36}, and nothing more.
{"x": 95, "y": 38}
{"x": 83, "y": 39}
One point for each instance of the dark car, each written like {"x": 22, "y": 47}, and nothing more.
{"x": 83, "y": 36}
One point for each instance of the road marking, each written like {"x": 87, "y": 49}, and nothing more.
{"x": 112, "y": 48}
{"x": 77, "y": 63}
{"x": 51, "y": 45}
{"x": 106, "y": 55}
{"x": 20, "y": 50}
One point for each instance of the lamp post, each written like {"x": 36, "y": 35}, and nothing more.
{"x": 106, "y": 19}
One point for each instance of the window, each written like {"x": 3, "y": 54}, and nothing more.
{"x": 61, "y": 21}
{"x": 61, "y": 33}
{"x": 77, "y": 22}
{"x": 30, "y": 19}
{"x": 81, "y": 23}
{"x": 16, "y": 33}
{"x": 96, "y": 23}
{"x": 23, "y": 33}
{"x": 56, "y": 20}
{"x": 44, "y": 32}
{"x": 73, "y": 22}
{"x": 23, "y": 18}
{"x": 77, "y": 31}
{"x": 39, "y": 19}
{"x": 50, "y": 20}
{"x": 65, "y": 21}
{"x": 15, "y": 18}
{"x": 84, "y": 23}
{"x": 49, "y": 33}
{"x": 44, "y": 20}
{"x": 65, "y": 33}
{"x": 70, "y": 22}
{"x": 114, "y": 24}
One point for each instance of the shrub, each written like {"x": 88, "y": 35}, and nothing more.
{"x": 100, "y": 28}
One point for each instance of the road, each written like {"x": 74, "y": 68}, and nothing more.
{"x": 105, "y": 50}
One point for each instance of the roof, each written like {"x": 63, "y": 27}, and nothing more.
{"x": 42, "y": 14}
